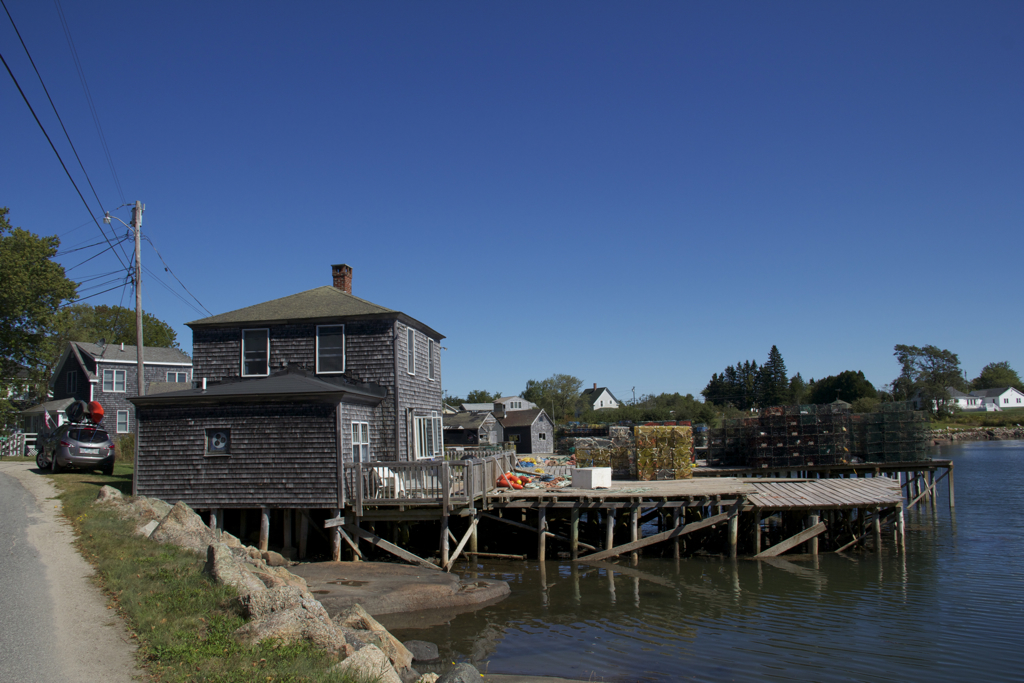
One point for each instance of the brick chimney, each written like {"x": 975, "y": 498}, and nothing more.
{"x": 342, "y": 274}
{"x": 595, "y": 383}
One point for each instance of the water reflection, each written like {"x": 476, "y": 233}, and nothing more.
{"x": 947, "y": 609}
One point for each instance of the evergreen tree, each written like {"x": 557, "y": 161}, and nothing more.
{"x": 773, "y": 382}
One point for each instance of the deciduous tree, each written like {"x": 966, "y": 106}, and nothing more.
{"x": 997, "y": 375}
{"x": 848, "y": 386}
{"x": 927, "y": 372}
{"x": 32, "y": 289}
{"x": 559, "y": 393}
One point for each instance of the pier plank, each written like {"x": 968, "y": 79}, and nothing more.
{"x": 373, "y": 539}
{"x": 658, "y": 538}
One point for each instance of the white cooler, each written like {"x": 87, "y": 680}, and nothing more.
{"x": 591, "y": 477}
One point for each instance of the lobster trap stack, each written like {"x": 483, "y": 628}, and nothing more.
{"x": 893, "y": 433}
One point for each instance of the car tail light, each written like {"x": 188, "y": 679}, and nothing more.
{"x": 66, "y": 444}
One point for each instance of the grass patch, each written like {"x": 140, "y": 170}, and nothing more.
{"x": 1010, "y": 417}
{"x": 181, "y": 619}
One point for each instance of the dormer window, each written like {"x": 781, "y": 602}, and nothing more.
{"x": 256, "y": 353}
{"x": 330, "y": 349}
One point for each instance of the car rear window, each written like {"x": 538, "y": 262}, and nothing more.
{"x": 88, "y": 435}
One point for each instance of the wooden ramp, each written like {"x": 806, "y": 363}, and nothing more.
{"x": 824, "y": 494}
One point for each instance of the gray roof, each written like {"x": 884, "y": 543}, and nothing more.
{"x": 520, "y": 418}
{"x": 321, "y": 304}
{"x": 477, "y": 407}
{"x": 49, "y": 406}
{"x": 292, "y": 384}
{"x": 150, "y": 354}
{"x": 990, "y": 393}
{"x": 955, "y": 393}
{"x": 464, "y": 420}
{"x": 590, "y": 395}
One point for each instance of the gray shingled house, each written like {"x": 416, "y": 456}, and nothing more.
{"x": 530, "y": 430}
{"x": 109, "y": 374}
{"x": 472, "y": 428}
{"x": 286, "y": 393}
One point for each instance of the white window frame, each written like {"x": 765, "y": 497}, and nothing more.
{"x": 256, "y": 329}
{"x": 360, "y": 442}
{"x": 410, "y": 342}
{"x": 429, "y": 436}
{"x": 343, "y": 358}
{"x": 113, "y": 374}
{"x": 127, "y": 425}
{"x": 430, "y": 358}
{"x": 71, "y": 381}
{"x": 175, "y": 375}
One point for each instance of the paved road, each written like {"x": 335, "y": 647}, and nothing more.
{"x": 54, "y": 624}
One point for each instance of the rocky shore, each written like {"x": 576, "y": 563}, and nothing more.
{"x": 277, "y": 603}
{"x": 941, "y": 437}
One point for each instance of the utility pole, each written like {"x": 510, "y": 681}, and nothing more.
{"x": 137, "y": 226}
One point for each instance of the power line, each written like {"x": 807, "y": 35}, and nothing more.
{"x": 171, "y": 290}
{"x": 88, "y": 97}
{"x": 168, "y": 269}
{"x": 54, "y": 148}
{"x": 110, "y": 248}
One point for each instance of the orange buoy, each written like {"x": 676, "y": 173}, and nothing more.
{"x": 95, "y": 411}
{"x": 517, "y": 487}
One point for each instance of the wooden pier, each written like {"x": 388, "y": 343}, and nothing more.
{"x": 845, "y": 505}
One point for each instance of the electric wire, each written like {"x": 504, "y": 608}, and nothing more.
{"x": 88, "y": 97}
{"x": 91, "y": 296}
{"x": 168, "y": 269}
{"x": 54, "y": 106}
{"x": 110, "y": 248}
{"x": 72, "y": 251}
{"x": 170, "y": 289}
{"x": 54, "y": 148}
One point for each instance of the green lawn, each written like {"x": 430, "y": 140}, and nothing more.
{"x": 182, "y": 620}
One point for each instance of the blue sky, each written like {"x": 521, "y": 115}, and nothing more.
{"x": 637, "y": 194}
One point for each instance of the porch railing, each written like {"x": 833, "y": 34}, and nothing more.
{"x": 428, "y": 482}
{"x": 13, "y": 445}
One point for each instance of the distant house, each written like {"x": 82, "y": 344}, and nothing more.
{"x": 109, "y": 374}
{"x": 532, "y": 431}
{"x": 600, "y": 398}
{"x": 511, "y": 403}
{"x": 472, "y": 428}
{"x": 288, "y": 394}
{"x": 999, "y": 398}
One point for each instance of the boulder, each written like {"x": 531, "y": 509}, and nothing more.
{"x": 272, "y": 577}
{"x": 108, "y": 494}
{"x": 223, "y": 566}
{"x": 229, "y": 540}
{"x": 369, "y": 664}
{"x": 421, "y": 650}
{"x": 148, "y": 508}
{"x": 274, "y": 559}
{"x": 428, "y": 678}
{"x": 147, "y": 529}
{"x": 183, "y": 527}
{"x": 259, "y": 604}
{"x": 309, "y": 622}
{"x": 462, "y": 673}
{"x": 357, "y": 619}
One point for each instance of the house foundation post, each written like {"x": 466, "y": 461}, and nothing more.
{"x": 609, "y": 528}
{"x": 287, "y": 549}
{"x": 264, "y": 529}
{"x": 542, "y": 527}
{"x": 812, "y": 545}
{"x": 677, "y": 516}
{"x": 336, "y": 539}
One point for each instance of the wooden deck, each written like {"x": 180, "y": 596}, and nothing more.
{"x": 680, "y": 491}
{"x": 824, "y": 494}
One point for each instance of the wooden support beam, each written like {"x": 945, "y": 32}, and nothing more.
{"x": 757, "y": 531}
{"x": 445, "y": 533}
{"x": 734, "y": 535}
{"x": 336, "y": 539}
{"x": 634, "y": 529}
{"x": 303, "y": 533}
{"x": 264, "y": 529}
{"x": 574, "y": 533}
{"x": 379, "y": 542}
{"x": 348, "y": 539}
{"x": 677, "y": 517}
{"x": 812, "y": 543}
{"x": 876, "y": 527}
{"x": 860, "y": 537}
{"x": 657, "y": 538}
{"x": 542, "y": 541}
{"x": 952, "y": 497}
{"x": 548, "y": 534}
{"x": 900, "y": 531}
{"x": 609, "y": 528}
{"x": 465, "y": 539}
{"x": 792, "y": 541}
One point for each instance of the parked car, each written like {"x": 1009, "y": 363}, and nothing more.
{"x": 76, "y": 445}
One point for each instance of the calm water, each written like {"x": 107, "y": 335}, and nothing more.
{"x": 950, "y": 610}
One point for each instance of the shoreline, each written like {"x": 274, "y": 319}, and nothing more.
{"x": 951, "y": 435}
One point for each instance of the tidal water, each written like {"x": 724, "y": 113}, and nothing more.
{"x": 950, "y": 609}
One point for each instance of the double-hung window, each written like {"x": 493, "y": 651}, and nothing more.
{"x": 177, "y": 376}
{"x": 256, "y": 353}
{"x": 360, "y": 442}
{"x": 122, "y": 421}
{"x": 330, "y": 349}
{"x": 430, "y": 358}
{"x": 429, "y": 443}
{"x": 114, "y": 380}
{"x": 410, "y": 344}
